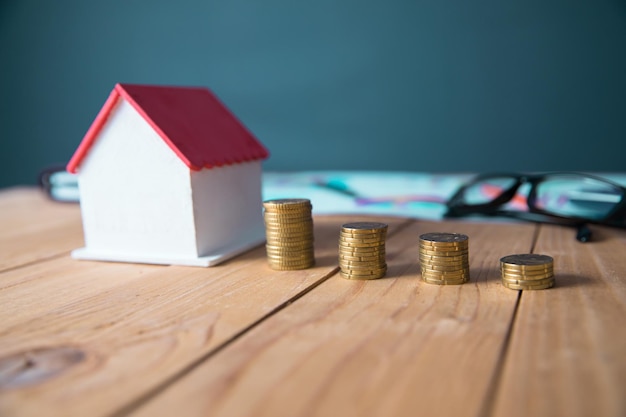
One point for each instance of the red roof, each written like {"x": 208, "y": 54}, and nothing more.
{"x": 192, "y": 121}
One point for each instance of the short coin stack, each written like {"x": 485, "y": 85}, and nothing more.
{"x": 362, "y": 250}
{"x": 444, "y": 258}
{"x": 527, "y": 271}
{"x": 289, "y": 233}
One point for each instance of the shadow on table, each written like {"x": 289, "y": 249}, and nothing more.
{"x": 573, "y": 280}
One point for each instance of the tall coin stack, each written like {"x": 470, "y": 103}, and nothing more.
{"x": 289, "y": 233}
{"x": 444, "y": 258}
{"x": 362, "y": 250}
{"x": 527, "y": 271}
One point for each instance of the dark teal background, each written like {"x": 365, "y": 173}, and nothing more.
{"x": 442, "y": 86}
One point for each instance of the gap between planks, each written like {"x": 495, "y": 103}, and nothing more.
{"x": 149, "y": 395}
{"x": 492, "y": 391}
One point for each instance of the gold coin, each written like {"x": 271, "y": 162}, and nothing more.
{"x": 353, "y": 275}
{"x": 435, "y": 278}
{"x": 444, "y": 238}
{"x": 277, "y": 257}
{"x": 533, "y": 270}
{"x": 528, "y": 281}
{"x": 359, "y": 240}
{"x": 291, "y": 267}
{"x": 363, "y": 257}
{"x": 287, "y": 222}
{"x": 360, "y": 245}
{"x": 346, "y": 258}
{"x": 306, "y": 212}
{"x": 360, "y": 277}
{"x": 364, "y": 275}
{"x": 287, "y": 234}
{"x": 445, "y": 274}
{"x": 430, "y": 246}
{"x": 288, "y": 252}
{"x": 375, "y": 235}
{"x": 286, "y": 203}
{"x": 455, "y": 255}
{"x": 442, "y": 248}
{"x": 444, "y": 268}
{"x": 286, "y": 216}
{"x": 290, "y": 245}
{"x": 290, "y": 261}
{"x": 445, "y": 281}
{"x": 363, "y": 227}
{"x": 365, "y": 250}
{"x": 456, "y": 261}
{"x": 302, "y": 211}
{"x": 369, "y": 256}
{"x": 288, "y": 210}
{"x": 527, "y": 259}
{"x": 450, "y": 261}
{"x": 446, "y": 247}
{"x": 362, "y": 263}
{"x": 284, "y": 267}
{"x": 303, "y": 246}
{"x": 528, "y": 287}
{"x": 288, "y": 249}
{"x": 289, "y": 226}
{"x": 527, "y": 276}
{"x": 369, "y": 262}
{"x": 436, "y": 252}
{"x": 364, "y": 268}
{"x": 358, "y": 269}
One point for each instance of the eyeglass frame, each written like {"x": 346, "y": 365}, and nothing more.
{"x": 455, "y": 208}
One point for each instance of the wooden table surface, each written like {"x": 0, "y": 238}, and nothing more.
{"x": 80, "y": 338}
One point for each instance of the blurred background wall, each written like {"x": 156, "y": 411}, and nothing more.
{"x": 445, "y": 86}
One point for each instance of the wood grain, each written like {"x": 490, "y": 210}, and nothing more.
{"x": 121, "y": 330}
{"x": 33, "y": 228}
{"x": 390, "y": 347}
{"x": 88, "y": 338}
{"x": 568, "y": 348}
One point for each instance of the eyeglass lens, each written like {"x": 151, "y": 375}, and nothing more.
{"x": 487, "y": 190}
{"x": 577, "y": 196}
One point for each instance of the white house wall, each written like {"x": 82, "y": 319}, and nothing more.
{"x": 227, "y": 205}
{"x": 135, "y": 192}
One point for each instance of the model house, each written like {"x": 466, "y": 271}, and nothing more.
{"x": 168, "y": 175}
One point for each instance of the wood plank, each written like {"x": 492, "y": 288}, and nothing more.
{"x": 32, "y": 227}
{"x": 568, "y": 348}
{"x": 390, "y": 347}
{"x": 85, "y": 338}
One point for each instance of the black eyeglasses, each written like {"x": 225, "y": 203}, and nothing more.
{"x": 569, "y": 199}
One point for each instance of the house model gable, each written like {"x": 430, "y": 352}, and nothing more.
{"x": 168, "y": 175}
{"x": 193, "y": 122}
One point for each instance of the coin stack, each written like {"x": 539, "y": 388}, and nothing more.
{"x": 289, "y": 233}
{"x": 444, "y": 258}
{"x": 527, "y": 271}
{"x": 362, "y": 250}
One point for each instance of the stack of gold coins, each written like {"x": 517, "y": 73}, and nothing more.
{"x": 289, "y": 233}
{"x": 444, "y": 258}
{"x": 362, "y": 250}
{"x": 527, "y": 271}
